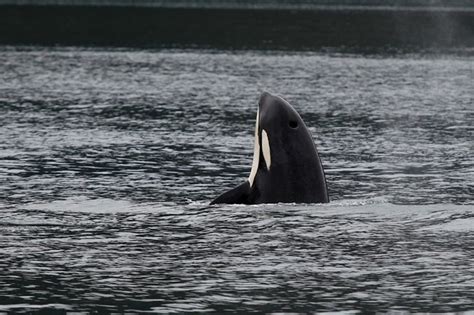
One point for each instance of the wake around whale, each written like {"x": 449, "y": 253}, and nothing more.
{"x": 286, "y": 167}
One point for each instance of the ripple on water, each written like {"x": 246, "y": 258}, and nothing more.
{"x": 108, "y": 160}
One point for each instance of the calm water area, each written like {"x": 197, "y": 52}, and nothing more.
{"x": 110, "y": 157}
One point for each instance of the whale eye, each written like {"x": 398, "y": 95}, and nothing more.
{"x": 293, "y": 124}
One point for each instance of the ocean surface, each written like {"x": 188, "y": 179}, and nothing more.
{"x": 110, "y": 157}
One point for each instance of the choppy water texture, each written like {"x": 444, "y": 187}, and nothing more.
{"x": 108, "y": 160}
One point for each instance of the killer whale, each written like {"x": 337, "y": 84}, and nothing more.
{"x": 286, "y": 167}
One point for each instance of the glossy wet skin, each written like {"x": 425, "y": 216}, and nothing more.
{"x": 296, "y": 173}
{"x": 291, "y": 141}
{"x": 286, "y": 167}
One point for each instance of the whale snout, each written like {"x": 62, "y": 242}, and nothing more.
{"x": 264, "y": 95}
{"x": 273, "y": 110}
{"x": 264, "y": 99}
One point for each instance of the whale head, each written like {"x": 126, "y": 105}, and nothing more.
{"x": 286, "y": 166}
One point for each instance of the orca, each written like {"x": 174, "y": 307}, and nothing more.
{"x": 286, "y": 167}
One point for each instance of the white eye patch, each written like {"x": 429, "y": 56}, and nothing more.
{"x": 266, "y": 149}
{"x": 256, "y": 155}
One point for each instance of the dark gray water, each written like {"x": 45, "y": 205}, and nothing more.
{"x": 108, "y": 159}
